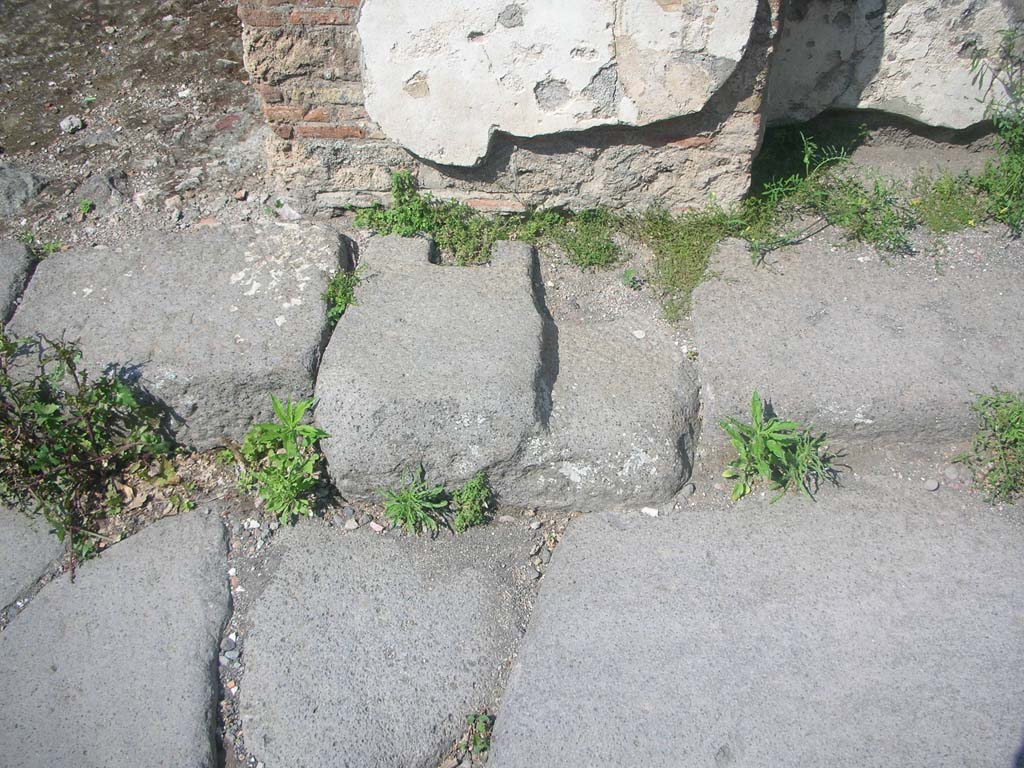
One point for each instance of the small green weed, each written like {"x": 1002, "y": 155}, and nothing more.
{"x": 66, "y": 439}
{"x": 784, "y": 453}
{"x": 468, "y": 235}
{"x": 682, "y": 246}
{"x": 341, "y": 293}
{"x": 949, "y": 203}
{"x": 416, "y": 506}
{"x": 1003, "y": 178}
{"x": 480, "y": 727}
{"x": 86, "y": 206}
{"x": 471, "y": 503}
{"x": 997, "y": 451}
{"x": 631, "y": 279}
{"x": 281, "y": 461}
{"x": 40, "y": 248}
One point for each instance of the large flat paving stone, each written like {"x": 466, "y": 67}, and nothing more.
{"x": 118, "y": 668}
{"x": 621, "y": 426}
{"x": 26, "y": 549}
{"x": 15, "y": 267}
{"x": 434, "y": 365}
{"x": 370, "y": 651}
{"x": 211, "y": 321}
{"x": 859, "y": 347}
{"x": 880, "y": 627}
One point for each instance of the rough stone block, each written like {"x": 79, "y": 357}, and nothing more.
{"x": 433, "y": 365}
{"x": 15, "y": 267}
{"x": 881, "y": 627}
{"x": 17, "y": 187}
{"x": 621, "y": 425}
{"x": 858, "y": 347}
{"x": 118, "y": 667}
{"x": 26, "y": 549}
{"x": 211, "y": 322}
{"x": 371, "y": 651}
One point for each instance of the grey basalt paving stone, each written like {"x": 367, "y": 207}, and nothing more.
{"x": 118, "y": 668}
{"x": 26, "y": 549}
{"x": 17, "y": 187}
{"x": 433, "y": 365}
{"x": 620, "y": 430}
{"x": 878, "y": 627}
{"x": 210, "y": 321}
{"x": 861, "y": 348}
{"x": 370, "y": 651}
{"x": 15, "y": 267}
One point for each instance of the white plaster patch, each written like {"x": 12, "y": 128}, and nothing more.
{"x": 533, "y": 67}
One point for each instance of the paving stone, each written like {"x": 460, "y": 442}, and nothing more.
{"x": 26, "y": 549}
{"x": 879, "y": 627}
{"x": 211, "y": 321}
{"x": 118, "y": 668}
{"x": 17, "y": 187}
{"x": 621, "y": 425}
{"x": 858, "y": 347}
{"x": 15, "y": 266}
{"x": 370, "y": 650}
{"x": 434, "y": 365}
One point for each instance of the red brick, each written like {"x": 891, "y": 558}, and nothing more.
{"x": 336, "y": 131}
{"x": 283, "y": 114}
{"x": 318, "y": 115}
{"x": 254, "y": 17}
{"x": 339, "y": 16}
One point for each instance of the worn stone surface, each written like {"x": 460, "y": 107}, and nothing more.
{"x": 621, "y": 426}
{"x": 911, "y": 58}
{"x": 857, "y": 347}
{"x": 433, "y": 365}
{"x": 15, "y": 266}
{"x": 372, "y": 650}
{"x": 26, "y": 549}
{"x": 531, "y": 68}
{"x": 880, "y": 626}
{"x": 210, "y": 322}
{"x": 119, "y": 666}
{"x": 17, "y": 187}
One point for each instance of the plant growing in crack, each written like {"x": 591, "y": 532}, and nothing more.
{"x": 415, "y": 505}
{"x": 784, "y": 453}
{"x": 282, "y": 461}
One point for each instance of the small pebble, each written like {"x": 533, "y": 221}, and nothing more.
{"x": 376, "y": 527}
{"x": 72, "y": 124}
{"x": 274, "y": 525}
{"x": 228, "y": 644}
{"x": 639, "y": 334}
{"x": 931, "y": 485}
{"x": 545, "y": 556}
{"x": 952, "y": 472}
{"x": 351, "y": 524}
{"x": 348, "y": 511}
{"x": 231, "y": 655}
{"x": 535, "y": 525}
{"x": 364, "y": 519}
{"x": 650, "y": 511}
{"x": 506, "y": 519}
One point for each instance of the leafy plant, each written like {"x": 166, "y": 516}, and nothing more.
{"x": 468, "y": 235}
{"x": 997, "y": 451}
{"x": 784, "y": 453}
{"x": 471, "y": 503}
{"x": 949, "y": 203}
{"x": 40, "y": 248}
{"x": 480, "y": 727}
{"x": 416, "y": 506}
{"x": 66, "y": 438}
{"x": 86, "y": 206}
{"x": 1000, "y": 75}
{"x": 631, "y": 279}
{"x": 341, "y": 293}
{"x": 282, "y": 460}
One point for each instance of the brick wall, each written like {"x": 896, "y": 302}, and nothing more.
{"x": 304, "y": 59}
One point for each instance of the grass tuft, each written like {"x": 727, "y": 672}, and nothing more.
{"x": 997, "y": 451}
